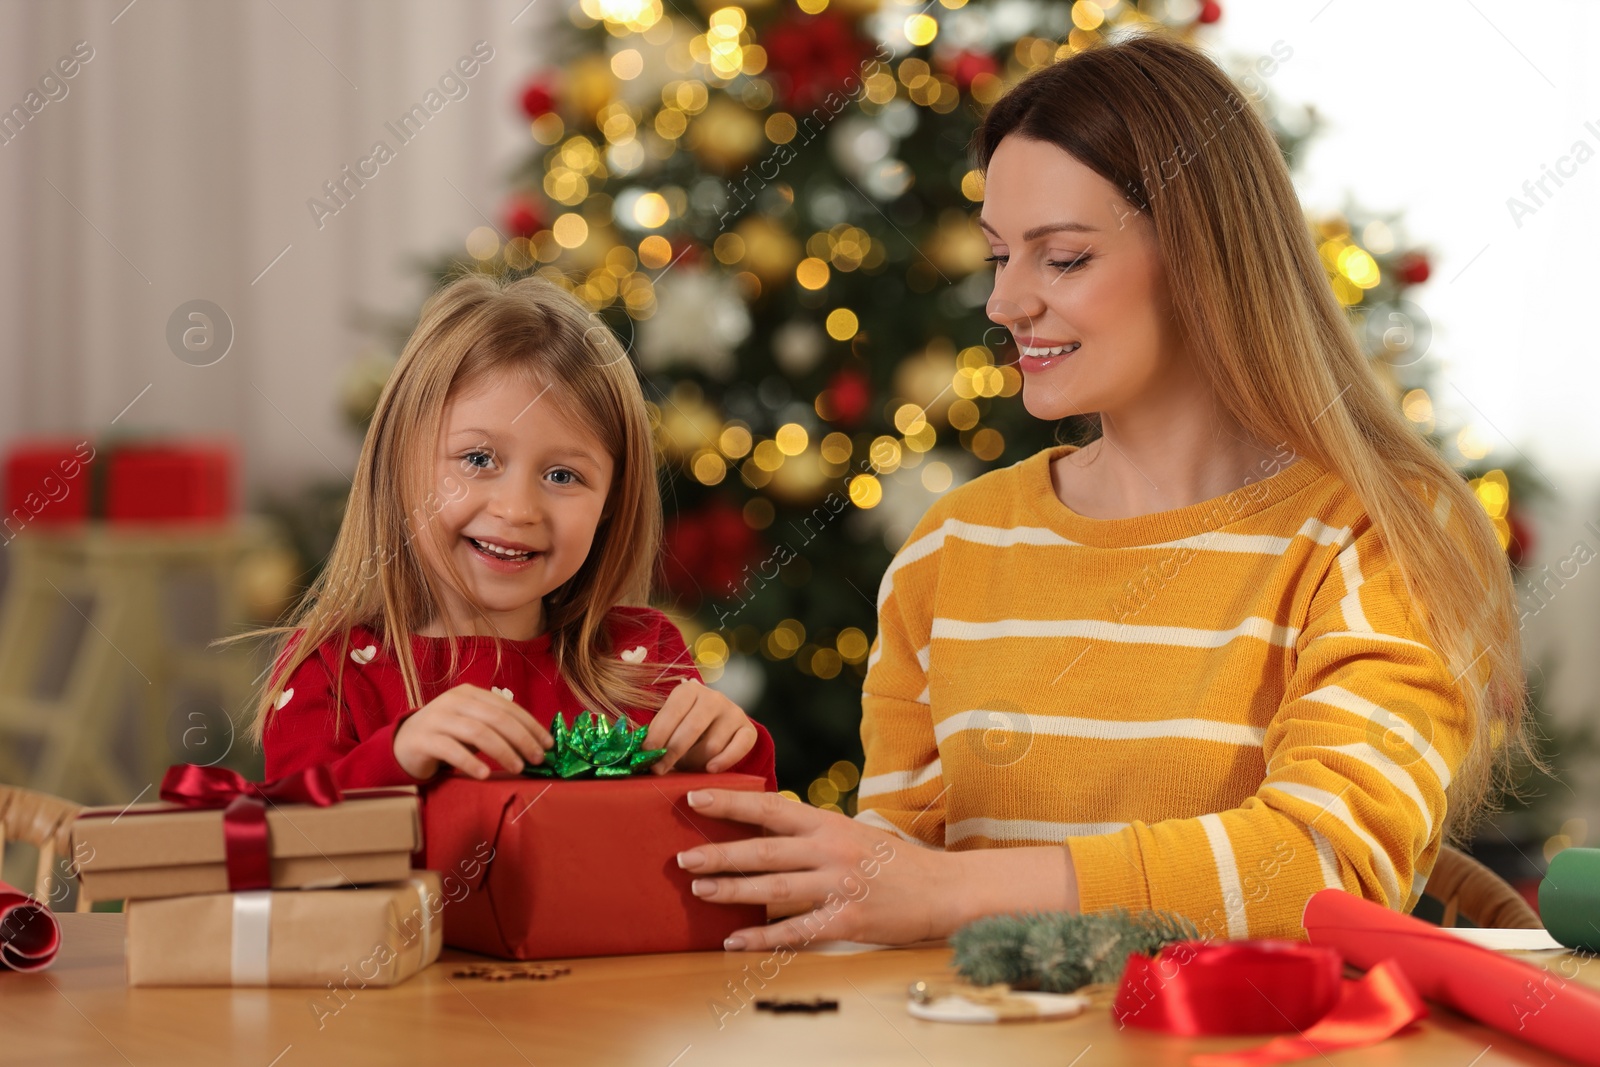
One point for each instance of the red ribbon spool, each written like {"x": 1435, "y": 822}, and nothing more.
{"x": 1193, "y": 988}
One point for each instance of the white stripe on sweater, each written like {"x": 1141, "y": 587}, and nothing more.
{"x": 1313, "y": 529}
{"x": 872, "y": 818}
{"x": 993, "y": 536}
{"x": 1350, "y": 568}
{"x": 1339, "y": 697}
{"x": 1327, "y": 860}
{"x": 1225, "y": 733}
{"x": 1227, "y": 875}
{"x": 895, "y": 781}
{"x": 1397, "y": 776}
{"x": 1025, "y": 830}
{"x": 1126, "y": 633}
{"x": 1334, "y": 805}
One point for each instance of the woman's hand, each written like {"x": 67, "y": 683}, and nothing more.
{"x": 701, "y": 729}
{"x": 461, "y": 723}
{"x": 851, "y": 881}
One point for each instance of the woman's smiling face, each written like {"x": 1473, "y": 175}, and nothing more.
{"x": 1075, "y": 264}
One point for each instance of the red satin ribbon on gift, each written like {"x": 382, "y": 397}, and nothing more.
{"x": 1194, "y": 989}
{"x": 244, "y": 814}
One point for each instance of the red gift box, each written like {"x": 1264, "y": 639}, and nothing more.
{"x": 47, "y": 482}
{"x": 551, "y": 869}
{"x": 170, "y": 482}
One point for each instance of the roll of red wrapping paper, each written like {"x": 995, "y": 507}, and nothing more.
{"x": 1540, "y": 1006}
{"x": 29, "y": 935}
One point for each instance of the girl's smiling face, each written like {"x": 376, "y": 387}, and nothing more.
{"x": 1075, "y": 265}
{"x": 522, "y": 485}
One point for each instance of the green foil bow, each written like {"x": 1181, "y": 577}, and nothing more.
{"x": 591, "y": 748}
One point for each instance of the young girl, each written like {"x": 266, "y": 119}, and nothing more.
{"x": 493, "y": 564}
{"x": 1253, "y": 640}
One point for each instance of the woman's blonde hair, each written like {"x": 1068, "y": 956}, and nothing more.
{"x": 1163, "y": 124}
{"x": 473, "y": 329}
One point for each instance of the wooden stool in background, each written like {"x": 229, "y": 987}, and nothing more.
{"x": 44, "y": 822}
{"x": 1469, "y": 890}
{"x": 123, "y": 571}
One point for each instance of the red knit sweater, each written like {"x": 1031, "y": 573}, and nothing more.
{"x": 301, "y": 732}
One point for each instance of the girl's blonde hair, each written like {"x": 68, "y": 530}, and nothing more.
{"x": 474, "y": 329}
{"x": 1163, "y": 124}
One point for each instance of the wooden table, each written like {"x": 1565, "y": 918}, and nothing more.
{"x": 650, "y": 1010}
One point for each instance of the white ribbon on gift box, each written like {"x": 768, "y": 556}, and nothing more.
{"x": 252, "y": 925}
{"x": 427, "y": 918}
{"x": 252, "y": 928}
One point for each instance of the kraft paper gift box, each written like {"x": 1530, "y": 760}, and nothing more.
{"x": 551, "y": 868}
{"x": 368, "y": 936}
{"x": 166, "y": 850}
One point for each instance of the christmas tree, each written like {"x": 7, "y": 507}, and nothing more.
{"x": 773, "y": 206}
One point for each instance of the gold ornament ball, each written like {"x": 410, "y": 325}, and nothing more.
{"x": 800, "y": 480}
{"x": 726, "y": 135}
{"x": 687, "y": 424}
{"x": 770, "y": 251}
{"x": 956, "y": 246}
{"x": 590, "y": 84}
{"x": 923, "y": 378}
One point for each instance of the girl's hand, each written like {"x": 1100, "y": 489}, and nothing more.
{"x": 460, "y": 723}
{"x": 701, "y": 729}
{"x": 851, "y": 881}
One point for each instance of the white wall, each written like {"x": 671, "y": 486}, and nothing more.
{"x": 1443, "y": 110}
{"x": 181, "y": 160}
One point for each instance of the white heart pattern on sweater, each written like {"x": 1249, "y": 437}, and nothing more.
{"x": 283, "y": 698}
{"x": 364, "y": 656}
{"x": 497, "y": 691}
{"x": 635, "y": 654}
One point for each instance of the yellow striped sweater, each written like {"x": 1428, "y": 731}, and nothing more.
{"x": 1220, "y": 709}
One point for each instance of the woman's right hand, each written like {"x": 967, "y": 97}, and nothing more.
{"x": 458, "y": 725}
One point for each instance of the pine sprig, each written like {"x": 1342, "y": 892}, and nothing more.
{"x": 1058, "y": 951}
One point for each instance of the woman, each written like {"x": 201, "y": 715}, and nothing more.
{"x": 1253, "y": 640}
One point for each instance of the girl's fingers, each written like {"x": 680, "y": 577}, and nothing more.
{"x": 472, "y": 696}
{"x": 510, "y": 722}
{"x": 684, "y": 737}
{"x": 448, "y": 750}
{"x": 737, "y": 747}
{"x": 485, "y": 739}
{"x": 673, "y": 709}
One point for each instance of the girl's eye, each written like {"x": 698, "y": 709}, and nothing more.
{"x": 1076, "y": 263}
{"x": 472, "y": 458}
{"x": 996, "y": 258}
{"x": 565, "y": 477}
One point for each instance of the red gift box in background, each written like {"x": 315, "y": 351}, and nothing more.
{"x": 176, "y": 481}
{"x": 47, "y": 482}
{"x": 63, "y": 481}
{"x": 549, "y": 869}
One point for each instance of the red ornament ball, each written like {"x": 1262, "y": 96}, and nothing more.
{"x": 686, "y": 252}
{"x": 1210, "y": 11}
{"x": 538, "y": 99}
{"x": 967, "y": 65}
{"x": 1521, "y": 546}
{"x": 849, "y": 396}
{"x": 1413, "y": 268}
{"x": 810, "y": 56}
{"x": 705, "y": 552}
{"x": 522, "y": 217}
